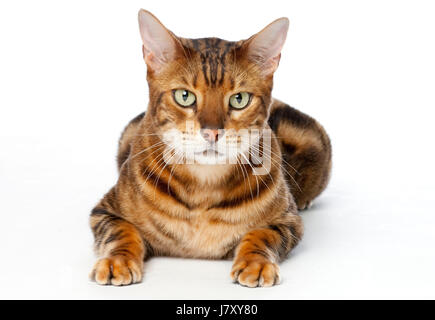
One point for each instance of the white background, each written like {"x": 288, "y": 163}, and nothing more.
{"x": 72, "y": 75}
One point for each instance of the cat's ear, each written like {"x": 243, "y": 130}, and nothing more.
{"x": 265, "y": 47}
{"x": 160, "y": 45}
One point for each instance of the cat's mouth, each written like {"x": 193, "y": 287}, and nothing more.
{"x": 211, "y": 152}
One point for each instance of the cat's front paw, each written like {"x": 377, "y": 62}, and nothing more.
{"x": 255, "y": 272}
{"x": 117, "y": 270}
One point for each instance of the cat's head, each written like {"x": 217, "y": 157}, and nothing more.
{"x": 208, "y": 97}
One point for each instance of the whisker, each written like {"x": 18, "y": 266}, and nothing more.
{"x": 157, "y": 165}
{"x": 161, "y": 171}
{"x": 249, "y": 181}
{"x": 142, "y": 151}
{"x": 282, "y": 168}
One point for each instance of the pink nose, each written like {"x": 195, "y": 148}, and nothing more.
{"x": 211, "y": 135}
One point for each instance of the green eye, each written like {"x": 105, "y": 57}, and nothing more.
{"x": 184, "y": 98}
{"x": 240, "y": 100}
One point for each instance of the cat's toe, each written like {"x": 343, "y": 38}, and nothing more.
{"x": 305, "y": 206}
{"x": 117, "y": 271}
{"x": 262, "y": 273}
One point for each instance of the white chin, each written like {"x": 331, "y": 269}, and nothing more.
{"x": 214, "y": 159}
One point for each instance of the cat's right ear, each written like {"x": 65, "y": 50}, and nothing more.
{"x": 159, "y": 44}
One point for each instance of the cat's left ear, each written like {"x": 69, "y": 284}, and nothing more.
{"x": 264, "y": 48}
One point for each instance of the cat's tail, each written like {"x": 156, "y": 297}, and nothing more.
{"x": 306, "y": 152}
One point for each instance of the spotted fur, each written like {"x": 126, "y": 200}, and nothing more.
{"x": 201, "y": 211}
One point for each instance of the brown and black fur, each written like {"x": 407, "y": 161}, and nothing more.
{"x": 306, "y": 152}
{"x": 172, "y": 211}
{"x": 304, "y": 143}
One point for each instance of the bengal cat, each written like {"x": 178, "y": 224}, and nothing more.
{"x": 196, "y": 208}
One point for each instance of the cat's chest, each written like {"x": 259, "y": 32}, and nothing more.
{"x": 203, "y": 236}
